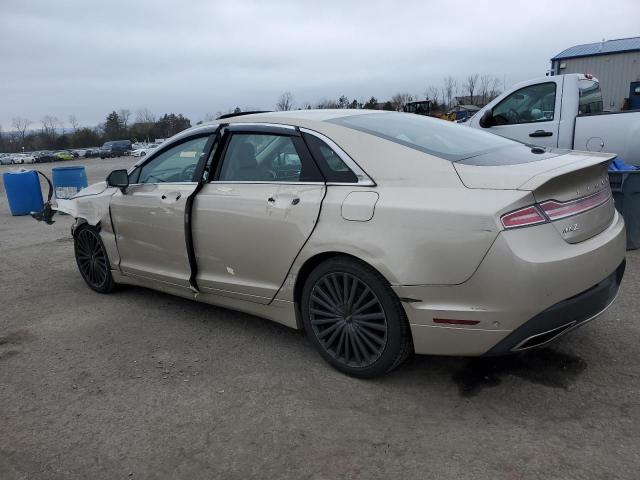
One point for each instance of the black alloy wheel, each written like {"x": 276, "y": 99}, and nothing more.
{"x": 348, "y": 319}
{"x": 354, "y": 318}
{"x": 92, "y": 259}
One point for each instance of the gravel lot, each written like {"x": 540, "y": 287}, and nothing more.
{"x": 139, "y": 384}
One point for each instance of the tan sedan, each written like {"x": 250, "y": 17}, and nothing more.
{"x": 379, "y": 233}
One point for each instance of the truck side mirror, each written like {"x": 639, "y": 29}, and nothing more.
{"x": 119, "y": 179}
{"x": 487, "y": 119}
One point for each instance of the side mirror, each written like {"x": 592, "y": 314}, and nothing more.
{"x": 487, "y": 119}
{"x": 119, "y": 179}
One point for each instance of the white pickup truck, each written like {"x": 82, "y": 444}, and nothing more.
{"x": 562, "y": 111}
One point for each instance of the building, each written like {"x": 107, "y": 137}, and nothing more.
{"x": 615, "y": 63}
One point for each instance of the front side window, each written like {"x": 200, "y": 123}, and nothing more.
{"x": 535, "y": 103}
{"x": 265, "y": 158}
{"x": 590, "y": 97}
{"x": 177, "y": 164}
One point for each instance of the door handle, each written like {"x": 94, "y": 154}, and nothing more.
{"x": 541, "y": 133}
{"x": 173, "y": 196}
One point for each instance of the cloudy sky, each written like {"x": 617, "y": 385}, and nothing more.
{"x": 198, "y": 57}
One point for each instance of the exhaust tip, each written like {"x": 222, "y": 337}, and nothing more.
{"x": 542, "y": 338}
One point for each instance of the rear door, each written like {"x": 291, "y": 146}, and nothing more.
{"x": 530, "y": 115}
{"x": 148, "y": 217}
{"x": 252, "y": 219}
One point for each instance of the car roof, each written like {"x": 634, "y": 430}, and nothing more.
{"x": 293, "y": 115}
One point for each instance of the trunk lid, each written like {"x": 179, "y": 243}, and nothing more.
{"x": 570, "y": 188}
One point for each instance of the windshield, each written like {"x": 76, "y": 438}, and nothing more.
{"x": 433, "y": 136}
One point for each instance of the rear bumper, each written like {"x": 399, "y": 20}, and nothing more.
{"x": 530, "y": 282}
{"x": 563, "y": 317}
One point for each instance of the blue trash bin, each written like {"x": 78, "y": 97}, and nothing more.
{"x": 23, "y": 192}
{"x": 625, "y": 186}
{"x": 67, "y": 181}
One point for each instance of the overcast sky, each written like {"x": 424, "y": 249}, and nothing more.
{"x": 86, "y": 58}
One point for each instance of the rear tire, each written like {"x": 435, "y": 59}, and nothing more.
{"x": 92, "y": 259}
{"x": 354, "y": 318}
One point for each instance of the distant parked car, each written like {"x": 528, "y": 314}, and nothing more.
{"x": 20, "y": 158}
{"x": 141, "y": 152}
{"x": 6, "y": 160}
{"x": 91, "y": 152}
{"x": 43, "y": 156}
{"x": 115, "y": 148}
{"x": 62, "y": 155}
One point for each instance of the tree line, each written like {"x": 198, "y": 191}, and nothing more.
{"x": 474, "y": 89}
{"x": 54, "y": 134}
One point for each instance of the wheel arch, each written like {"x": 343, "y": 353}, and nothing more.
{"x": 309, "y": 265}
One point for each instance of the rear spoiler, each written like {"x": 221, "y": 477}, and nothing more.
{"x": 582, "y": 161}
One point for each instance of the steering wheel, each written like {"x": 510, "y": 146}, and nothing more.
{"x": 513, "y": 115}
{"x": 187, "y": 173}
{"x": 271, "y": 174}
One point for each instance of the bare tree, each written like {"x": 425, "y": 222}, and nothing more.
{"x": 399, "y": 100}
{"x": 485, "y": 83}
{"x": 494, "y": 89}
{"x": 432, "y": 93}
{"x": 73, "y": 121}
{"x": 285, "y": 102}
{"x": 470, "y": 86}
{"x": 20, "y": 125}
{"x": 325, "y": 103}
{"x": 209, "y": 117}
{"x": 49, "y": 125}
{"x": 124, "y": 114}
{"x": 145, "y": 116}
{"x": 449, "y": 90}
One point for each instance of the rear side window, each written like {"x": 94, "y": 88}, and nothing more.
{"x": 436, "y": 137}
{"x": 266, "y": 158}
{"x": 330, "y": 163}
{"x": 590, "y": 97}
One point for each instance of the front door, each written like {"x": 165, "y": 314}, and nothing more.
{"x": 530, "y": 115}
{"x": 251, "y": 221}
{"x": 149, "y": 219}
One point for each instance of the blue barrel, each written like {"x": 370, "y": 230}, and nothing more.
{"x": 23, "y": 192}
{"x": 67, "y": 181}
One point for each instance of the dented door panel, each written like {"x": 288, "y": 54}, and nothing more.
{"x": 246, "y": 236}
{"x": 149, "y": 224}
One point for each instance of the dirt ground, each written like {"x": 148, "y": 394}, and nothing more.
{"x": 139, "y": 384}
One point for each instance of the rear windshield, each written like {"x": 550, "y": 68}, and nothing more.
{"x": 430, "y": 135}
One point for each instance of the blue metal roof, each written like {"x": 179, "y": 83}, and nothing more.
{"x": 601, "y": 48}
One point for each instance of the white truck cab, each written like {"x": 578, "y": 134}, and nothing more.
{"x": 562, "y": 111}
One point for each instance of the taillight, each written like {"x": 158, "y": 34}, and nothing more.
{"x": 553, "y": 210}
{"x": 556, "y": 210}
{"x": 522, "y": 218}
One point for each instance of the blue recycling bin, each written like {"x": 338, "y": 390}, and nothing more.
{"x": 67, "y": 181}
{"x": 23, "y": 192}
